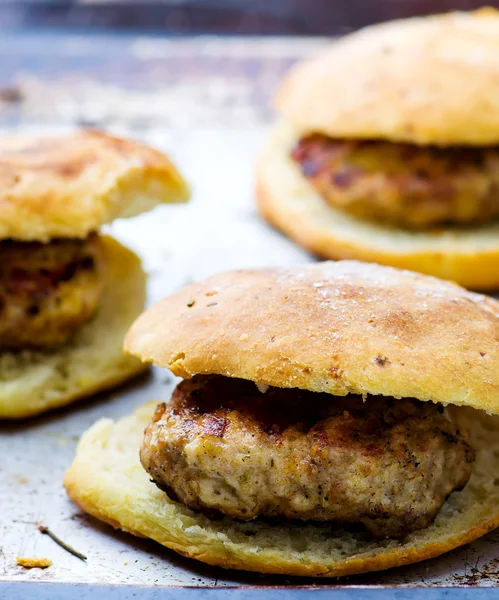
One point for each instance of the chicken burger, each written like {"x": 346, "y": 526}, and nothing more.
{"x": 67, "y": 293}
{"x": 332, "y": 419}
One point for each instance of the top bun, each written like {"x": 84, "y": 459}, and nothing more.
{"x": 344, "y": 327}
{"x": 429, "y": 80}
{"x": 70, "y": 185}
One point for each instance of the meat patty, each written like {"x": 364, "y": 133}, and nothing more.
{"x": 221, "y": 446}
{"x": 410, "y": 186}
{"x": 47, "y": 291}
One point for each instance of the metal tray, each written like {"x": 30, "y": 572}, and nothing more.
{"x": 218, "y": 230}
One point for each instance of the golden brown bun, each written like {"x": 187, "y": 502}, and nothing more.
{"x": 344, "y": 327}
{"x": 288, "y": 201}
{"x": 430, "y": 80}
{"x": 107, "y": 481}
{"x": 70, "y": 185}
{"x": 32, "y": 382}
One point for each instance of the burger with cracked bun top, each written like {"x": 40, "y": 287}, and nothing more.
{"x": 333, "y": 419}
{"x": 67, "y": 294}
{"x": 388, "y": 148}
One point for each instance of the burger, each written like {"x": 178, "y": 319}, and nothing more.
{"x": 332, "y": 419}
{"x": 67, "y": 293}
{"x": 387, "y": 149}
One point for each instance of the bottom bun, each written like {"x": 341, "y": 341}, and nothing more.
{"x": 289, "y": 202}
{"x": 107, "y": 480}
{"x": 32, "y": 382}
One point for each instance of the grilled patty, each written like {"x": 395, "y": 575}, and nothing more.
{"x": 410, "y": 186}
{"x": 222, "y": 446}
{"x": 47, "y": 291}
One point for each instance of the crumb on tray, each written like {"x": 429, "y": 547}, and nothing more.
{"x": 33, "y": 562}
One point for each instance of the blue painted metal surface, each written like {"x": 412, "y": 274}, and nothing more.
{"x": 47, "y": 591}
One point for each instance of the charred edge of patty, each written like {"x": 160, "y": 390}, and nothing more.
{"x": 213, "y": 409}
{"x": 47, "y": 291}
{"x": 413, "y": 187}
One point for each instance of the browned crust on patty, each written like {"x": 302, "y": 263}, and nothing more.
{"x": 223, "y": 447}
{"x": 413, "y": 187}
{"x": 48, "y": 291}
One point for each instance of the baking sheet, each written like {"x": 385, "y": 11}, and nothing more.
{"x": 218, "y": 230}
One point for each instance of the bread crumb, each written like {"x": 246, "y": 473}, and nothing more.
{"x": 243, "y": 337}
{"x": 33, "y": 562}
